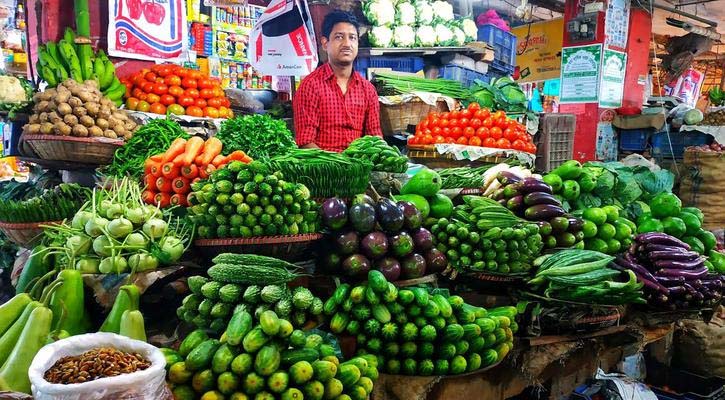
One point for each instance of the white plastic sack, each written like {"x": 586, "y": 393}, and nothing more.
{"x": 148, "y": 384}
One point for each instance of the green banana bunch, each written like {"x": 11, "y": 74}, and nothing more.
{"x": 717, "y": 96}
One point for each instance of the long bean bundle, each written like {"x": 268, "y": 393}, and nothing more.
{"x": 153, "y": 138}
{"x": 463, "y": 177}
{"x": 53, "y": 205}
{"x": 407, "y": 84}
{"x": 325, "y": 173}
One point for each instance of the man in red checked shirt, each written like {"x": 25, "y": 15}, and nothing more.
{"x": 334, "y": 105}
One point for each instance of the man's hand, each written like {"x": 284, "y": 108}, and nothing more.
{"x": 310, "y": 146}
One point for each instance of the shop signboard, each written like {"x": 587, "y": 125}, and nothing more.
{"x": 147, "y": 30}
{"x": 537, "y": 50}
{"x": 580, "y": 74}
{"x": 614, "y": 64}
{"x": 282, "y": 42}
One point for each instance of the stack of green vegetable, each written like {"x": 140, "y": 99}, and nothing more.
{"x": 463, "y": 177}
{"x": 532, "y": 199}
{"x": 115, "y": 232}
{"x": 400, "y": 84}
{"x": 501, "y": 94}
{"x": 154, "y": 137}
{"x": 385, "y": 158}
{"x": 266, "y": 360}
{"x": 246, "y": 200}
{"x": 324, "y": 173}
{"x": 482, "y": 235}
{"x": 415, "y": 333}
{"x": 259, "y": 136}
{"x": 583, "y": 276}
{"x": 246, "y": 282}
{"x": 52, "y": 205}
{"x": 423, "y": 191}
{"x": 605, "y": 231}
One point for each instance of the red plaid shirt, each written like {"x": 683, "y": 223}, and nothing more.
{"x": 329, "y": 119}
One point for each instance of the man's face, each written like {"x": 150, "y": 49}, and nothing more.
{"x": 341, "y": 46}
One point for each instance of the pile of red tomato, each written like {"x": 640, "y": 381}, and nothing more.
{"x": 473, "y": 126}
{"x": 178, "y": 90}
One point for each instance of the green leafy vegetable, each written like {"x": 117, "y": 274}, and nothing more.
{"x": 260, "y": 136}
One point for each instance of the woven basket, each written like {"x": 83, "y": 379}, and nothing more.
{"x": 24, "y": 234}
{"x": 428, "y": 156}
{"x": 95, "y": 150}
{"x": 395, "y": 118}
{"x": 290, "y": 248}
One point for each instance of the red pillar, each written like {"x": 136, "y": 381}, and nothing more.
{"x": 640, "y": 36}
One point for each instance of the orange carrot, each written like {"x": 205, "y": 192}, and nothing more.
{"x": 163, "y": 185}
{"x": 219, "y": 160}
{"x": 237, "y": 156}
{"x": 155, "y": 170}
{"x": 176, "y": 148}
{"x": 149, "y": 181}
{"x": 178, "y": 200}
{"x": 212, "y": 148}
{"x": 162, "y": 199}
{"x": 209, "y": 169}
{"x": 148, "y": 196}
{"x": 190, "y": 171}
{"x": 191, "y": 151}
{"x": 169, "y": 171}
{"x": 180, "y": 185}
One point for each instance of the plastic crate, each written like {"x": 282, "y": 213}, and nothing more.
{"x": 684, "y": 385}
{"x": 554, "y": 141}
{"x": 503, "y": 43}
{"x": 680, "y": 141}
{"x": 634, "y": 139}
{"x": 464, "y": 75}
{"x": 400, "y": 64}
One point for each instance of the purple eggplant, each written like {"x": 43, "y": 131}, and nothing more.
{"x": 543, "y": 212}
{"x": 653, "y": 285}
{"x": 506, "y": 177}
{"x": 661, "y": 238}
{"x": 645, "y": 276}
{"x": 688, "y": 265}
{"x": 662, "y": 247}
{"x": 661, "y": 299}
{"x": 687, "y": 274}
{"x": 712, "y": 285}
{"x": 674, "y": 256}
{"x": 498, "y": 194}
{"x": 512, "y": 190}
{"x": 535, "y": 198}
{"x": 515, "y": 203}
{"x": 532, "y": 185}
{"x": 670, "y": 281}
{"x": 575, "y": 224}
{"x": 678, "y": 291}
{"x": 502, "y": 202}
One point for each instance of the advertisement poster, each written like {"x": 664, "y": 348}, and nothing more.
{"x": 147, "y": 30}
{"x": 580, "y": 74}
{"x": 282, "y": 41}
{"x": 614, "y": 64}
{"x": 606, "y": 147}
{"x": 688, "y": 87}
{"x": 537, "y": 49}
{"x": 616, "y": 23}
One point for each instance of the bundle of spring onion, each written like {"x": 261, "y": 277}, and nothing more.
{"x": 115, "y": 232}
{"x": 56, "y": 204}
{"x": 463, "y": 177}
{"x": 326, "y": 174}
{"x": 408, "y": 83}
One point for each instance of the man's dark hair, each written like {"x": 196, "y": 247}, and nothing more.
{"x": 334, "y": 18}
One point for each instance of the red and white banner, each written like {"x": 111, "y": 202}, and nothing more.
{"x": 282, "y": 41}
{"x": 147, "y": 29}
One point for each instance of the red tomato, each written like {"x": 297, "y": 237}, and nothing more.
{"x": 211, "y": 112}
{"x": 181, "y": 71}
{"x": 176, "y": 91}
{"x": 466, "y": 113}
{"x": 196, "y": 75}
{"x": 185, "y": 101}
{"x": 474, "y": 141}
{"x": 510, "y": 134}
{"x": 476, "y": 123}
{"x": 487, "y": 122}
{"x": 206, "y": 93}
{"x": 194, "y": 111}
{"x": 474, "y": 107}
{"x": 518, "y": 145}
{"x": 462, "y": 140}
{"x": 159, "y": 80}
{"x": 433, "y": 114}
{"x": 427, "y": 139}
{"x": 423, "y": 125}
{"x": 489, "y": 142}
{"x": 439, "y": 139}
{"x": 531, "y": 148}
{"x": 437, "y": 130}
{"x": 413, "y": 140}
{"x": 503, "y": 144}
{"x": 137, "y": 92}
{"x": 454, "y": 114}
{"x": 435, "y": 122}
{"x": 138, "y": 80}
{"x": 153, "y": 98}
{"x": 158, "y": 108}
{"x": 206, "y": 83}
{"x": 173, "y": 80}
{"x": 496, "y": 132}
{"x": 199, "y": 102}
{"x": 218, "y": 92}
{"x": 191, "y": 93}
{"x": 482, "y": 114}
{"x": 148, "y": 87}
{"x": 444, "y": 123}
{"x": 456, "y": 132}
{"x": 167, "y": 100}
{"x": 142, "y": 96}
{"x": 463, "y": 122}
{"x": 132, "y": 103}
{"x": 188, "y": 83}
{"x": 454, "y": 123}
{"x": 498, "y": 114}
{"x": 450, "y": 140}
{"x": 216, "y": 102}
{"x": 425, "y": 131}
{"x": 482, "y": 132}
{"x": 446, "y": 131}
{"x": 143, "y": 106}
{"x": 160, "y": 89}
{"x": 468, "y": 132}
{"x": 150, "y": 76}
{"x": 176, "y": 109}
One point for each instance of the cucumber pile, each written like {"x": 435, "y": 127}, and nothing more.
{"x": 586, "y": 276}
{"x": 246, "y": 282}
{"x": 251, "y": 200}
{"x": 482, "y": 235}
{"x": 414, "y": 332}
{"x": 265, "y": 360}
{"x": 385, "y": 158}
{"x": 533, "y": 199}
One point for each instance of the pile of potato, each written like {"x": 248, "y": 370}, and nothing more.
{"x": 78, "y": 109}
{"x": 714, "y": 118}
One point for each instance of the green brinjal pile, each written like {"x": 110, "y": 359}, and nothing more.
{"x": 265, "y": 360}
{"x": 385, "y": 158}
{"x": 250, "y": 283}
{"x": 586, "y": 276}
{"x": 482, "y": 235}
{"x": 250, "y": 200}
{"x": 53, "y": 205}
{"x": 413, "y": 332}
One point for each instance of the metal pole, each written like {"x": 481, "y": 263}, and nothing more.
{"x": 685, "y": 14}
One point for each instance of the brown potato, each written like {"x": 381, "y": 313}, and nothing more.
{"x": 95, "y": 131}
{"x": 32, "y": 129}
{"x": 128, "y": 136}
{"x": 121, "y": 116}
{"x": 92, "y": 108}
{"x": 34, "y": 119}
{"x": 64, "y": 109}
{"x": 62, "y": 129}
{"x": 42, "y": 106}
{"x": 86, "y": 96}
{"x": 70, "y": 119}
{"x": 119, "y": 129}
{"x": 102, "y": 123}
{"x": 46, "y": 128}
{"x": 110, "y": 134}
{"x": 62, "y": 96}
{"x": 54, "y": 117}
{"x": 43, "y": 117}
{"x": 87, "y": 121}
{"x": 80, "y": 130}
{"x": 79, "y": 111}
{"x": 130, "y": 126}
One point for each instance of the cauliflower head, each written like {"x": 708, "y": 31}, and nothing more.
{"x": 459, "y": 38}
{"x": 470, "y": 29}
{"x": 404, "y": 13}
{"x": 380, "y": 36}
{"x": 444, "y": 36}
{"x": 425, "y": 36}
{"x": 404, "y": 36}
{"x": 425, "y": 13}
{"x": 379, "y": 12}
{"x": 443, "y": 10}
{"x": 11, "y": 90}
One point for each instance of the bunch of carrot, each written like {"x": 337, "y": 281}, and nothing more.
{"x": 168, "y": 176}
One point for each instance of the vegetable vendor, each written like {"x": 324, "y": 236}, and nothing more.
{"x": 334, "y": 105}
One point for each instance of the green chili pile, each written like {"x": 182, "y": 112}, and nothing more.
{"x": 153, "y": 138}
{"x": 53, "y": 205}
{"x": 260, "y": 136}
